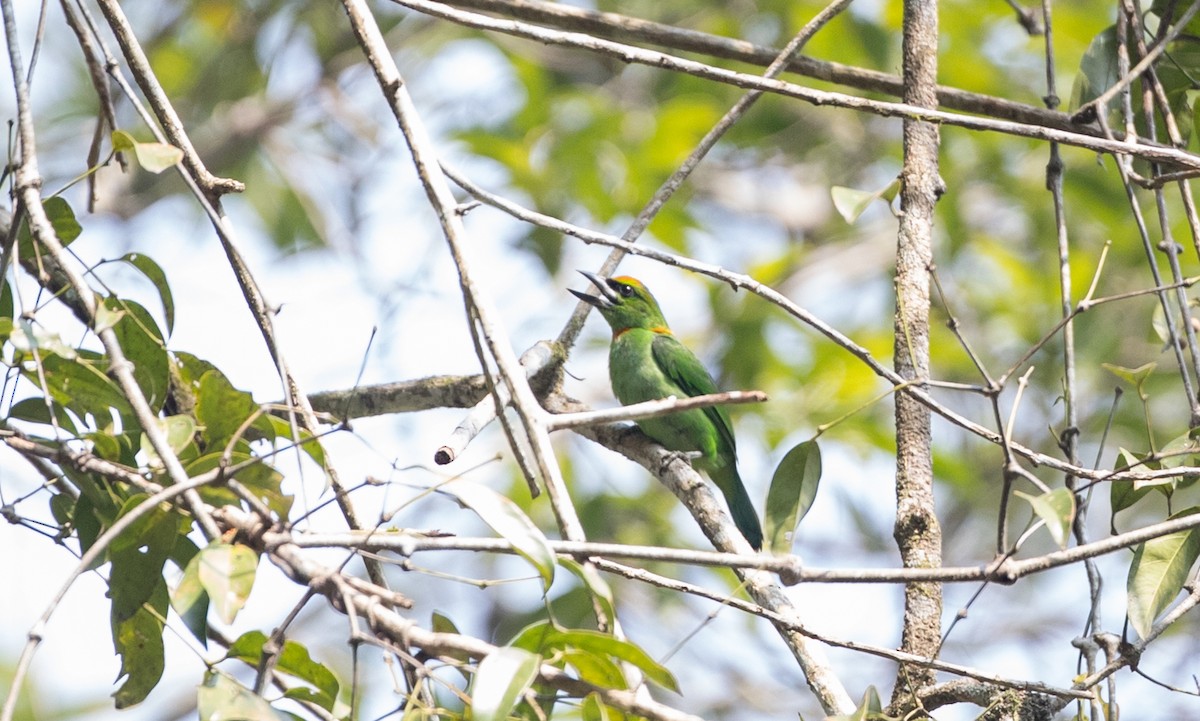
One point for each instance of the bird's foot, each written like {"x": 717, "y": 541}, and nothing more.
{"x": 672, "y": 456}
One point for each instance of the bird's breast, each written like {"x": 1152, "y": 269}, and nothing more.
{"x": 634, "y": 373}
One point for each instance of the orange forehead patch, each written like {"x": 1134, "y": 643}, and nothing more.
{"x": 628, "y": 280}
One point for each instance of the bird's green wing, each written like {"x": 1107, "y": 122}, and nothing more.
{"x": 685, "y": 369}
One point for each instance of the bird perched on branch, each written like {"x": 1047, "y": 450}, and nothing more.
{"x": 646, "y": 362}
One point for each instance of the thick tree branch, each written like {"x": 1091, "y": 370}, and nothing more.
{"x": 624, "y": 28}
{"x": 402, "y": 632}
{"x": 743, "y": 281}
{"x": 686, "y": 483}
{"x": 630, "y": 54}
{"x": 163, "y": 108}
{"x": 917, "y": 530}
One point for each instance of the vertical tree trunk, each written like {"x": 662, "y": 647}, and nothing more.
{"x": 917, "y": 532}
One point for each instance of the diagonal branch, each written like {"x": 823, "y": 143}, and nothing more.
{"x": 488, "y": 332}
{"x": 206, "y": 190}
{"x": 623, "y": 28}
{"x": 351, "y": 597}
{"x": 651, "y": 58}
{"x": 171, "y": 124}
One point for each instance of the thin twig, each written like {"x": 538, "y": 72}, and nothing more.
{"x": 680, "y": 175}
{"x": 746, "y": 282}
{"x": 651, "y": 409}
{"x": 1131, "y": 656}
{"x": 1127, "y": 147}
{"x": 791, "y": 569}
{"x": 1099, "y": 105}
{"x": 163, "y": 109}
{"x": 616, "y": 26}
{"x": 94, "y": 552}
{"x": 405, "y": 633}
{"x": 491, "y": 333}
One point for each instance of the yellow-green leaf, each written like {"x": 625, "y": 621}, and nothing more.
{"x": 1159, "y": 569}
{"x": 1057, "y": 509}
{"x": 227, "y": 573}
{"x": 793, "y": 489}
{"x": 502, "y": 677}
{"x": 507, "y": 519}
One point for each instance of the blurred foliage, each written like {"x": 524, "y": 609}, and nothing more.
{"x": 274, "y": 94}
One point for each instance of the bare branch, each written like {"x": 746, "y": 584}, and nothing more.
{"x": 624, "y": 28}
{"x": 630, "y": 54}
{"x": 164, "y": 110}
{"x": 405, "y": 633}
{"x": 652, "y": 409}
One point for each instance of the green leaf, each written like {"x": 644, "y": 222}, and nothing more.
{"x": 227, "y": 573}
{"x": 62, "y": 508}
{"x": 599, "y": 589}
{"x": 1159, "y": 569}
{"x": 1180, "y": 451}
{"x": 1158, "y": 321}
{"x": 1193, "y": 97}
{"x": 138, "y": 640}
{"x": 62, "y": 220}
{"x": 155, "y": 274}
{"x": 596, "y": 669}
{"x": 179, "y": 430}
{"x": 82, "y": 385}
{"x": 153, "y": 156}
{"x": 1135, "y": 377}
{"x": 110, "y": 446}
{"x": 1123, "y": 494}
{"x": 62, "y": 217}
{"x": 507, "y": 519}
{"x": 263, "y": 480}
{"x": 501, "y": 679}
{"x": 545, "y": 639}
{"x": 142, "y": 343}
{"x": 293, "y": 660}
{"x": 267, "y": 485}
{"x": 1057, "y": 509}
{"x": 851, "y": 203}
{"x": 593, "y": 709}
{"x": 34, "y": 410}
{"x": 441, "y": 623}
{"x": 1097, "y": 69}
{"x": 7, "y": 308}
{"x": 536, "y": 637}
{"x": 281, "y": 428}
{"x": 793, "y": 489}
{"x": 138, "y": 555}
{"x": 192, "y": 368}
{"x": 870, "y": 709}
{"x": 221, "y": 698}
{"x": 601, "y": 643}
{"x": 122, "y": 141}
{"x": 143, "y": 530}
{"x": 87, "y": 521}
{"x": 140, "y": 598}
{"x": 221, "y": 409}
{"x": 190, "y": 600}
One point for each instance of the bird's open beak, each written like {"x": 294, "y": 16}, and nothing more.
{"x": 607, "y": 297}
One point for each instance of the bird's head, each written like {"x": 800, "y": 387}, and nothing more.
{"x": 624, "y": 302}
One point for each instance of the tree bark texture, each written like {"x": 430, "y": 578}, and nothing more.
{"x": 917, "y": 531}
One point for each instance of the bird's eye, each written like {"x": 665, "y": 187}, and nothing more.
{"x": 627, "y": 291}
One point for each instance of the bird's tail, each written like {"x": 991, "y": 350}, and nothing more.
{"x": 740, "y": 506}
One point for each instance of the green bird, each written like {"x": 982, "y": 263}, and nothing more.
{"x": 646, "y": 362}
